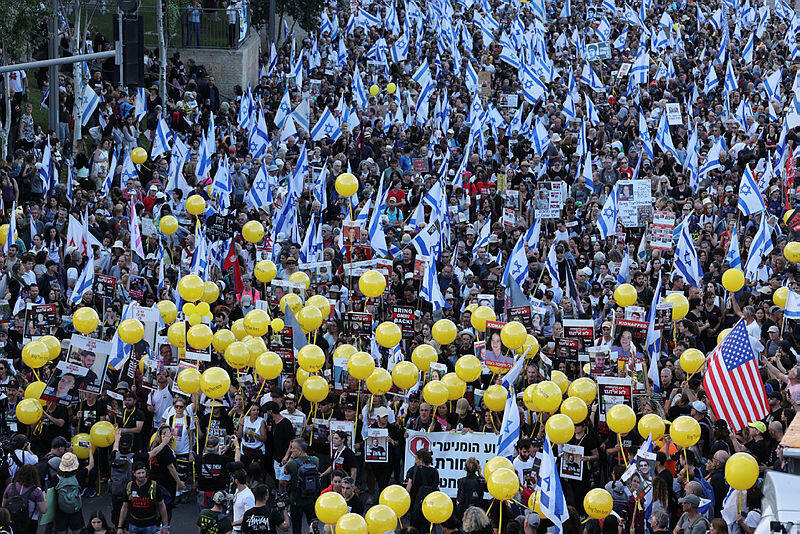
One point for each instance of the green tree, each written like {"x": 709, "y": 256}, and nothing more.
{"x": 305, "y": 13}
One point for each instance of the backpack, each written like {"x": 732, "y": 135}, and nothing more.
{"x": 69, "y": 495}
{"x": 307, "y": 483}
{"x": 17, "y": 505}
{"x": 43, "y": 468}
{"x": 120, "y": 474}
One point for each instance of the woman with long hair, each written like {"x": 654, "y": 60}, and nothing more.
{"x": 27, "y": 485}
{"x": 98, "y": 524}
{"x": 162, "y": 464}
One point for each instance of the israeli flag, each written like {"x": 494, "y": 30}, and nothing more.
{"x": 772, "y": 85}
{"x": 760, "y": 247}
{"x": 259, "y": 138}
{"x": 106, "y": 187}
{"x": 399, "y": 50}
{"x": 624, "y": 274}
{"x": 591, "y": 79}
{"x": 552, "y": 265}
{"x": 90, "y": 102}
{"x": 591, "y": 111}
{"x": 587, "y": 173}
{"x": 328, "y": 126}
{"x": 297, "y": 182}
{"x": 607, "y": 221}
{"x": 423, "y": 74}
{"x": 750, "y": 200}
{"x": 46, "y": 172}
{"x": 664, "y": 138}
{"x": 259, "y": 195}
{"x": 730, "y": 79}
{"x": 284, "y": 109}
{"x": 553, "y": 504}
{"x": 747, "y": 51}
{"x": 641, "y": 67}
{"x": 734, "y": 256}
{"x": 85, "y": 281}
{"x": 128, "y": 171}
{"x": 540, "y": 139}
{"x": 359, "y": 92}
{"x": 517, "y": 266}
{"x": 792, "y": 310}
{"x": 140, "y": 106}
{"x": 120, "y": 351}
{"x": 510, "y": 428}
{"x": 620, "y": 43}
{"x": 431, "y": 291}
{"x": 161, "y": 143}
{"x": 644, "y": 134}
{"x": 532, "y": 235}
{"x": 686, "y": 261}
{"x": 653, "y": 340}
{"x": 483, "y": 236}
{"x": 712, "y": 81}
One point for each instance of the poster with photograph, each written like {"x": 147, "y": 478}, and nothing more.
{"x": 167, "y": 353}
{"x": 571, "y": 462}
{"x": 497, "y": 357}
{"x": 540, "y": 315}
{"x": 486, "y": 299}
{"x": 183, "y": 364}
{"x": 581, "y": 330}
{"x": 319, "y": 271}
{"x": 661, "y": 230}
{"x": 149, "y": 372}
{"x": 638, "y": 477}
{"x": 403, "y": 316}
{"x": 136, "y": 287}
{"x": 39, "y": 320}
{"x": 663, "y": 315}
{"x": 358, "y": 324}
{"x": 548, "y": 200}
{"x": 521, "y": 314}
{"x": 91, "y": 354}
{"x": 635, "y": 313}
{"x": 282, "y": 344}
{"x": 600, "y": 361}
{"x": 612, "y": 390}
{"x": 376, "y": 448}
{"x": 64, "y": 384}
{"x": 105, "y": 286}
{"x": 348, "y": 427}
{"x": 632, "y": 195}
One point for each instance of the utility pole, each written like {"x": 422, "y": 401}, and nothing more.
{"x": 52, "y": 101}
{"x": 119, "y": 46}
{"x": 273, "y": 34}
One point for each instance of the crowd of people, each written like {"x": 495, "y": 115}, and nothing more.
{"x": 525, "y": 158}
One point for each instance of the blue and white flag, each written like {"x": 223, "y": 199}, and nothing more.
{"x": 591, "y": 111}
{"x": 328, "y": 126}
{"x": 140, "y": 106}
{"x": 259, "y": 195}
{"x": 431, "y": 291}
{"x": 423, "y": 74}
{"x": 760, "y": 247}
{"x": 120, "y": 351}
{"x": 553, "y": 503}
{"x": 664, "y": 138}
{"x": 750, "y": 200}
{"x": 624, "y": 274}
{"x": 161, "y": 142}
{"x": 540, "y": 138}
{"x": 46, "y": 172}
{"x": 609, "y": 215}
{"x": 591, "y": 79}
{"x": 588, "y": 174}
{"x": 552, "y": 265}
{"x": 653, "y": 340}
{"x": 686, "y": 261}
{"x": 734, "y": 256}
{"x": 517, "y": 266}
{"x": 89, "y": 103}
{"x": 644, "y": 135}
{"x": 532, "y": 235}
{"x": 792, "y": 310}
{"x": 483, "y": 236}
{"x": 85, "y": 281}
{"x": 284, "y": 109}
{"x": 12, "y": 228}
{"x": 509, "y": 430}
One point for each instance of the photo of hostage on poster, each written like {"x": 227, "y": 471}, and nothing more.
{"x": 497, "y": 357}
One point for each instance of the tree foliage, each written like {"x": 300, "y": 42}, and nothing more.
{"x": 23, "y": 28}
{"x": 305, "y": 13}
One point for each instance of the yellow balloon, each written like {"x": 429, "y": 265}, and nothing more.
{"x": 444, "y": 331}
{"x": 388, "y": 334}
{"x": 437, "y": 507}
{"x": 189, "y": 381}
{"x": 195, "y": 205}
{"x": 379, "y": 382}
{"x": 102, "y": 434}
{"x": 423, "y": 355}
{"x": 380, "y": 519}
{"x": 574, "y": 408}
{"x": 559, "y": 428}
{"x": 625, "y": 295}
{"x": 692, "y": 360}
{"x": 300, "y": 277}
{"x": 374, "y": 89}
{"x": 741, "y": 471}
{"x": 130, "y": 331}
{"x": 330, "y": 507}
{"x": 495, "y": 397}
{"x": 215, "y": 382}
{"x": 53, "y": 346}
{"x": 598, "y": 503}
{"x": 168, "y": 311}
{"x": 780, "y": 296}
{"x": 480, "y": 316}
{"x": 4, "y": 233}
{"x": 194, "y": 319}
{"x": 405, "y": 375}
{"x": 188, "y": 309}
{"x": 311, "y": 358}
{"x": 200, "y": 337}
{"x": 210, "y": 293}
{"x": 310, "y": 318}
{"x": 168, "y": 225}
{"x": 82, "y": 445}
{"x": 191, "y": 287}
{"x": 345, "y": 350}
{"x": 255, "y": 346}
{"x": 253, "y": 231}
{"x": 269, "y": 365}
{"x": 138, "y": 155}
{"x": 535, "y": 502}
{"x": 684, "y": 431}
{"x": 360, "y": 365}
{"x": 176, "y": 333}
{"x": 346, "y": 185}
{"x": 35, "y": 354}
{"x": 265, "y": 271}
{"x": 256, "y": 322}
{"x": 651, "y": 425}
{"x": 277, "y": 324}
{"x": 435, "y": 393}
{"x": 223, "y": 338}
{"x": 238, "y": 329}
{"x": 493, "y": 464}
{"x": 28, "y": 411}
{"x": 733, "y": 279}
{"x": 237, "y": 355}
{"x": 35, "y": 390}
{"x": 397, "y": 498}
{"x": 85, "y": 320}
{"x": 528, "y": 397}
{"x": 372, "y": 283}
{"x": 292, "y": 301}
{"x": 391, "y": 88}
{"x": 455, "y": 386}
{"x": 503, "y": 484}
{"x": 680, "y": 305}
{"x": 351, "y": 524}
{"x": 621, "y": 419}
{"x": 547, "y": 396}
{"x": 315, "y": 389}
{"x": 792, "y": 251}
{"x": 513, "y": 335}
{"x": 560, "y": 379}
{"x": 531, "y": 345}
{"x": 321, "y": 303}
{"x": 583, "y": 388}
{"x": 722, "y": 335}
{"x": 468, "y": 368}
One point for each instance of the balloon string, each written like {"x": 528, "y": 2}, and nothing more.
{"x": 622, "y": 449}
{"x": 210, "y": 417}
{"x": 258, "y": 396}
{"x": 739, "y": 504}
{"x": 35, "y": 374}
{"x": 358, "y": 399}
{"x": 500, "y": 522}
{"x": 490, "y": 507}
{"x": 686, "y": 462}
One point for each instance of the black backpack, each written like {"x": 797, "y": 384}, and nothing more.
{"x": 120, "y": 474}
{"x": 17, "y": 505}
{"x": 43, "y": 467}
{"x": 307, "y": 480}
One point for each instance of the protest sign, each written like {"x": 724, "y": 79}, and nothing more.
{"x": 92, "y": 354}
{"x": 611, "y": 391}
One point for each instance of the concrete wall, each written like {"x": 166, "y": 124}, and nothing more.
{"x": 229, "y": 67}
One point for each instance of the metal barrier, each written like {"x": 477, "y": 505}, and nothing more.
{"x": 212, "y": 28}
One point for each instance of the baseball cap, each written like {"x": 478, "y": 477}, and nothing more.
{"x": 58, "y": 442}
{"x": 773, "y": 328}
{"x": 693, "y": 500}
{"x": 758, "y": 425}
{"x": 699, "y": 406}
{"x": 381, "y": 411}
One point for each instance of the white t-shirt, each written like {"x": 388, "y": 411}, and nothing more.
{"x": 523, "y": 468}
{"x": 242, "y": 502}
{"x": 24, "y": 457}
{"x": 161, "y": 399}
{"x": 16, "y": 80}
{"x": 183, "y": 445}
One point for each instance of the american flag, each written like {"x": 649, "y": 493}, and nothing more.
{"x": 732, "y": 381}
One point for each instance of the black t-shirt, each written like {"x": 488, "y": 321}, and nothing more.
{"x": 355, "y": 505}
{"x": 91, "y": 414}
{"x": 143, "y": 504}
{"x": 260, "y": 520}
{"x": 344, "y": 459}
{"x": 282, "y": 434}
{"x": 222, "y": 427}
{"x": 214, "y": 473}
{"x": 759, "y": 450}
{"x": 159, "y": 465}
{"x": 128, "y": 419}
{"x": 51, "y": 430}
{"x": 424, "y": 480}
